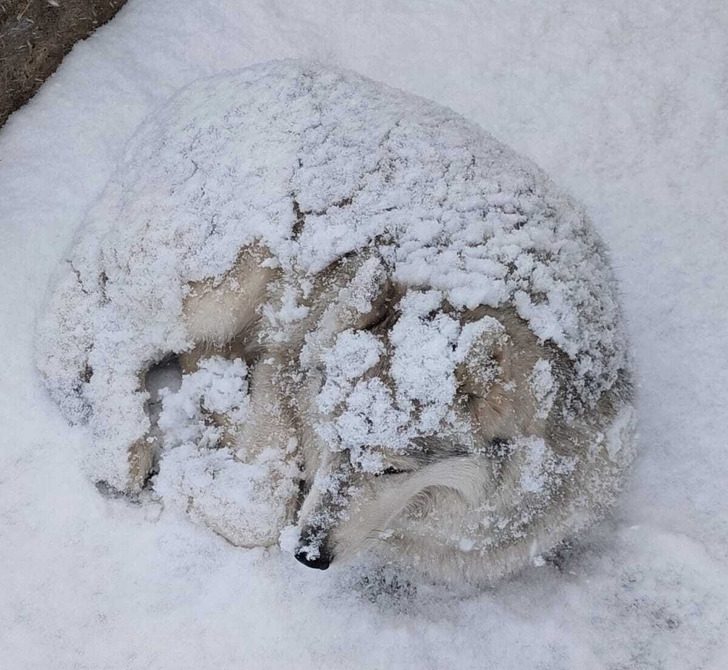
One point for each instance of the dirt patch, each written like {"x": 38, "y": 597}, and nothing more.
{"x": 35, "y": 35}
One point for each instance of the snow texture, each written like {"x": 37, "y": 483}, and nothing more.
{"x": 218, "y": 385}
{"x": 625, "y": 104}
{"x": 244, "y": 158}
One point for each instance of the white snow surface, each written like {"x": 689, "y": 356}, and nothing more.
{"x": 625, "y": 105}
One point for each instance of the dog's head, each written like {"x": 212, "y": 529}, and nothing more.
{"x": 408, "y": 426}
{"x": 345, "y": 509}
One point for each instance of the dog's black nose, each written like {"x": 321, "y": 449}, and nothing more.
{"x": 321, "y": 562}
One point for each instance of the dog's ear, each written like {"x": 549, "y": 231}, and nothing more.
{"x": 485, "y": 360}
{"x": 493, "y": 377}
{"x": 486, "y": 384}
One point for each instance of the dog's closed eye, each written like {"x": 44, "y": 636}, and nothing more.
{"x": 391, "y": 471}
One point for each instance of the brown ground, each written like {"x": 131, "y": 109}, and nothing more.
{"x": 35, "y": 35}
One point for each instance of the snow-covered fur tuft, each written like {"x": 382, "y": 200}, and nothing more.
{"x": 392, "y": 331}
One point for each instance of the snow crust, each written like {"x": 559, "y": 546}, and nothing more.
{"x": 625, "y": 105}
{"x": 244, "y": 159}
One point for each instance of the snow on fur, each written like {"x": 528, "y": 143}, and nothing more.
{"x": 246, "y": 157}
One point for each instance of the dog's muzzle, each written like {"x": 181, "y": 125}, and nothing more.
{"x": 321, "y": 562}
{"x": 312, "y": 550}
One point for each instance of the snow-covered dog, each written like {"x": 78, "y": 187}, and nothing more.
{"x": 389, "y": 330}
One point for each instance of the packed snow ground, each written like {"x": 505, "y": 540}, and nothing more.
{"x": 625, "y": 105}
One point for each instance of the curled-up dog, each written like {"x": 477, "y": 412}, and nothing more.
{"x": 384, "y": 330}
